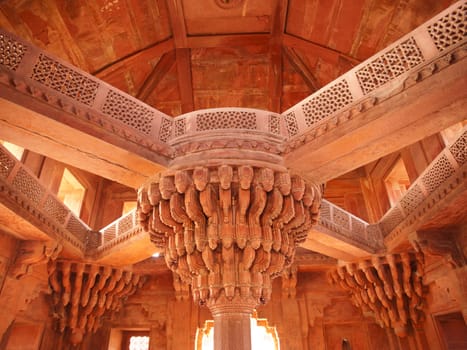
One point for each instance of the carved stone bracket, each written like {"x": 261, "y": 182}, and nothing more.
{"x": 32, "y": 253}
{"x": 82, "y": 294}
{"x": 289, "y": 282}
{"x": 438, "y": 244}
{"x": 228, "y": 230}
{"x": 390, "y": 286}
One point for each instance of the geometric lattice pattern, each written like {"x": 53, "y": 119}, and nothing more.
{"x": 28, "y": 186}
{"x": 69, "y": 82}
{"x": 180, "y": 127}
{"x": 325, "y": 211}
{"x": 450, "y": 29}
{"x": 11, "y": 52}
{"x": 6, "y": 163}
{"x": 393, "y": 63}
{"x": 77, "y": 228}
{"x": 128, "y": 112}
{"x": 391, "y": 220}
{"x": 55, "y": 209}
{"x": 165, "y": 130}
{"x": 126, "y": 223}
{"x": 226, "y": 120}
{"x": 292, "y": 125}
{"x": 341, "y": 218}
{"x": 412, "y": 199}
{"x": 327, "y": 102}
{"x": 358, "y": 228}
{"x": 109, "y": 233}
{"x": 440, "y": 171}
{"x": 274, "y": 124}
{"x": 459, "y": 149}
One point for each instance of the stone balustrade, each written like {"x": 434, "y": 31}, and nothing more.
{"x": 372, "y": 80}
{"x": 50, "y": 80}
{"x": 350, "y": 228}
{"x": 23, "y": 192}
{"x": 445, "y": 175}
{"x": 120, "y": 230}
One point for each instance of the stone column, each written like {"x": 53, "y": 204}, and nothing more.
{"x": 227, "y": 231}
{"x": 232, "y": 321}
{"x": 228, "y": 214}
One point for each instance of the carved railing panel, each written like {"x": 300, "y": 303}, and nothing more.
{"x": 22, "y": 191}
{"x": 120, "y": 231}
{"x": 389, "y": 286}
{"x": 445, "y": 174}
{"x": 350, "y": 228}
{"x": 83, "y": 293}
{"x": 28, "y": 70}
{"x": 358, "y": 89}
{"x": 220, "y": 119}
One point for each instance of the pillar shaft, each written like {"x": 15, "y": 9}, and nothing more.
{"x": 232, "y": 321}
{"x": 232, "y": 331}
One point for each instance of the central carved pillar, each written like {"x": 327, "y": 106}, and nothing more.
{"x": 229, "y": 222}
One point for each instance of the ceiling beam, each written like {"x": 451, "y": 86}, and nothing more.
{"x": 317, "y": 50}
{"x": 177, "y": 21}
{"x": 228, "y": 40}
{"x": 97, "y": 153}
{"x": 160, "y": 70}
{"x": 185, "y": 83}
{"x": 275, "y": 51}
{"x": 182, "y": 55}
{"x": 301, "y": 68}
{"x": 144, "y": 55}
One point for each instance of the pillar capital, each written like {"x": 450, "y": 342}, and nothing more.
{"x": 228, "y": 214}
{"x": 228, "y": 229}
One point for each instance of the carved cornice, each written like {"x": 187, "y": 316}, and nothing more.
{"x": 390, "y": 286}
{"x": 83, "y": 293}
{"x": 31, "y": 253}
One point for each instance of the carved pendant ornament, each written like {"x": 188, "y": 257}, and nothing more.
{"x": 228, "y": 230}
{"x": 389, "y": 286}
